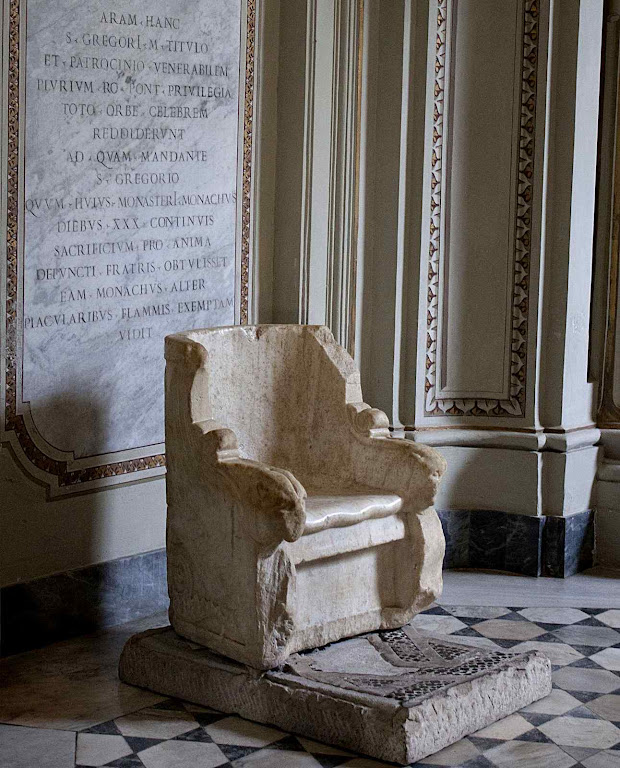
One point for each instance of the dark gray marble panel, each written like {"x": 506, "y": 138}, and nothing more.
{"x": 492, "y": 540}
{"x": 579, "y": 542}
{"x": 554, "y": 547}
{"x": 524, "y": 544}
{"x": 77, "y": 602}
{"x": 524, "y": 538}
{"x": 487, "y": 539}
{"x": 455, "y": 526}
{"x": 568, "y": 544}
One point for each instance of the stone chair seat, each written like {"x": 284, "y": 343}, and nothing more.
{"x": 295, "y": 519}
{"x": 331, "y": 507}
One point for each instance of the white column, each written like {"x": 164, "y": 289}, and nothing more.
{"x": 605, "y": 296}
{"x": 316, "y": 156}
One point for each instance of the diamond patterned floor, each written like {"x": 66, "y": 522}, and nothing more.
{"x": 577, "y": 725}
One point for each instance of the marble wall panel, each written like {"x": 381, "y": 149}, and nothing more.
{"x": 480, "y": 141}
{"x": 127, "y": 190}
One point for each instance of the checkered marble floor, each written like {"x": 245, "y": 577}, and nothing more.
{"x": 577, "y": 725}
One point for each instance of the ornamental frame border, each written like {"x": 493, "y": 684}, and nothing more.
{"x": 514, "y": 404}
{"x": 74, "y": 479}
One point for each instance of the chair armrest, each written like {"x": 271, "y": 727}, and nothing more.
{"x": 411, "y": 470}
{"x": 273, "y": 497}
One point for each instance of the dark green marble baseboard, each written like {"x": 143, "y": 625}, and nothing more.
{"x": 53, "y": 608}
{"x": 532, "y": 546}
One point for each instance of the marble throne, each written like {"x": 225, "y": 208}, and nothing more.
{"x": 294, "y": 519}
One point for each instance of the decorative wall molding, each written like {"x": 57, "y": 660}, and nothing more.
{"x": 248, "y": 149}
{"x": 517, "y": 440}
{"x": 513, "y": 404}
{"x": 58, "y": 469}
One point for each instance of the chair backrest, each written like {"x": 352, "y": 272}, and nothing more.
{"x": 281, "y": 388}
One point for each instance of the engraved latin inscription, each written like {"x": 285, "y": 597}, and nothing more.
{"x": 129, "y": 207}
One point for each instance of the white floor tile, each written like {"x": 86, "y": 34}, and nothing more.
{"x": 596, "y": 588}
{"x": 508, "y": 728}
{"x": 607, "y": 759}
{"x": 36, "y": 748}
{"x": 529, "y": 754}
{"x": 504, "y": 629}
{"x": 581, "y": 732}
{"x": 558, "y": 702}
{"x": 243, "y": 733}
{"x": 444, "y": 625}
{"x": 73, "y": 684}
{"x": 608, "y": 658}
{"x": 554, "y": 615}
{"x": 602, "y": 636}
{"x": 579, "y": 753}
{"x": 476, "y": 611}
{"x": 156, "y": 724}
{"x": 94, "y": 749}
{"x": 611, "y": 618}
{"x": 277, "y": 758}
{"x": 183, "y": 754}
{"x": 584, "y": 679}
{"x": 478, "y": 642}
{"x": 454, "y": 755}
{"x": 317, "y": 748}
{"x": 559, "y": 654}
{"x": 606, "y": 706}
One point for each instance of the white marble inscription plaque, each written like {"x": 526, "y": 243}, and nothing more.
{"x": 129, "y": 207}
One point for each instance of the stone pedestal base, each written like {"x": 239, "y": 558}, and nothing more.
{"x": 394, "y": 695}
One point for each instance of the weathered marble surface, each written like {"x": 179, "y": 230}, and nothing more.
{"x": 127, "y": 235}
{"x": 570, "y": 544}
{"x": 394, "y": 695}
{"x": 294, "y": 519}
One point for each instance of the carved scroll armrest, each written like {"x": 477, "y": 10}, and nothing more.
{"x": 273, "y": 497}
{"x": 400, "y": 466}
